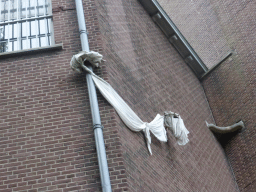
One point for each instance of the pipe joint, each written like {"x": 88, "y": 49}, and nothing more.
{"x": 83, "y": 31}
{"x": 98, "y": 126}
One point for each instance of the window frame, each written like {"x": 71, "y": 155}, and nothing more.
{"x": 32, "y": 25}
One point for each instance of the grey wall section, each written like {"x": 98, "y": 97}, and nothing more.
{"x": 151, "y": 77}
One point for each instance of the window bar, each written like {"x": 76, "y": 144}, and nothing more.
{"x": 3, "y": 3}
{"x": 20, "y": 9}
{"x": 46, "y": 6}
{"x": 8, "y": 19}
{"x": 27, "y": 24}
{"x": 30, "y": 39}
{"x": 3, "y": 44}
{"x": 20, "y": 36}
{"x": 46, "y": 25}
{"x": 37, "y": 32}
{"x": 27, "y": 34}
{"x": 18, "y": 26}
{"x": 9, "y": 10}
{"x": 12, "y": 11}
{"x": 35, "y": 10}
{"x": 29, "y": 8}
{"x": 13, "y": 26}
{"x": 26, "y": 8}
{"x": 21, "y": 43}
{"x": 3, "y": 39}
{"x": 12, "y": 37}
{"x": 17, "y": 9}
{"x": 38, "y": 25}
{"x": 6, "y": 32}
{"x": 50, "y": 24}
{"x": 6, "y": 44}
{"x": 48, "y": 32}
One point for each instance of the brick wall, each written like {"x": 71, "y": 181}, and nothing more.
{"x": 151, "y": 77}
{"x": 46, "y": 135}
{"x": 199, "y": 23}
{"x": 230, "y": 89}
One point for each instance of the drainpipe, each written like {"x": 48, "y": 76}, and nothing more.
{"x": 98, "y": 133}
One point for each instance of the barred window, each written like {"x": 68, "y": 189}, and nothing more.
{"x": 25, "y": 24}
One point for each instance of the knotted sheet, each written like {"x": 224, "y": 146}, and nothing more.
{"x": 128, "y": 116}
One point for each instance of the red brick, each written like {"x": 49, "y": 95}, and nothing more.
{"x": 47, "y": 125}
{"x": 230, "y": 88}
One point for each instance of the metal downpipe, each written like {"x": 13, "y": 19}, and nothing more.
{"x": 98, "y": 132}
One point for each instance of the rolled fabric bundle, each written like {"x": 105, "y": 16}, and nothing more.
{"x": 78, "y": 60}
{"x": 175, "y": 123}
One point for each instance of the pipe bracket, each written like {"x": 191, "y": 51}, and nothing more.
{"x": 83, "y": 31}
{"x": 98, "y": 126}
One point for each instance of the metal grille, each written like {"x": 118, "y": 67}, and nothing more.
{"x": 25, "y": 24}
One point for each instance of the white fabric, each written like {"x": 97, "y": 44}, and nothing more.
{"x": 174, "y": 122}
{"x": 127, "y": 115}
{"x": 77, "y": 60}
